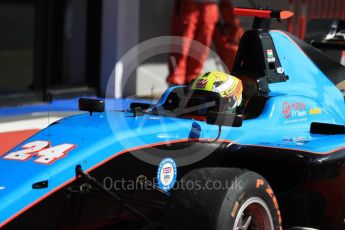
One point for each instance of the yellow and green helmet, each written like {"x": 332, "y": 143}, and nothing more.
{"x": 228, "y": 87}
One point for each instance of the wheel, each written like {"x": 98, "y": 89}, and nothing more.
{"x": 223, "y": 198}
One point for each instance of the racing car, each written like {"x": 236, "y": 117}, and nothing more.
{"x": 276, "y": 162}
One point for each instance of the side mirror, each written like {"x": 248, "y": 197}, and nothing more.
{"x": 91, "y": 105}
{"x": 224, "y": 119}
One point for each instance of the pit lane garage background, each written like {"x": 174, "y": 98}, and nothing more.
{"x": 60, "y": 50}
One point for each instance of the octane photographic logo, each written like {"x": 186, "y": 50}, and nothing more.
{"x": 139, "y": 132}
{"x": 122, "y": 184}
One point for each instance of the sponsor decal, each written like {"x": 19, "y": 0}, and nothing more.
{"x": 297, "y": 141}
{"x": 286, "y": 110}
{"x": 270, "y": 56}
{"x": 272, "y": 59}
{"x": 294, "y": 112}
{"x": 270, "y": 53}
{"x": 201, "y": 84}
{"x": 166, "y": 174}
{"x": 315, "y": 111}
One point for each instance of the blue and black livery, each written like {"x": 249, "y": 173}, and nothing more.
{"x": 296, "y": 91}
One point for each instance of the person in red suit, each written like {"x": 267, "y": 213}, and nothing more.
{"x": 196, "y": 20}
{"x": 227, "y": 34}
{"x": 193, "y": 20}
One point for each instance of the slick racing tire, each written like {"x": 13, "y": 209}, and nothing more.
{"x": 223, "y": 199}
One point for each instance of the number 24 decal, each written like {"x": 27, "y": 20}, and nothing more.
{"x": 46, "y": 154}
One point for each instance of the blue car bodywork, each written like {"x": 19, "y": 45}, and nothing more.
{"x": 282, "y": 129}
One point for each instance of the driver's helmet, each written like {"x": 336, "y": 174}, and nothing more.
{"x": 228, "y": 87}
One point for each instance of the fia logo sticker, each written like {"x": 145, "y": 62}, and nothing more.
{"x": 166, "y": 174}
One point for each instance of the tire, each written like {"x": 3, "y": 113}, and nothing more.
{"x": 196, "y": 206}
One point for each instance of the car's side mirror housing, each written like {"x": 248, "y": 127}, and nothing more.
{"x": 91, "y": 105}
{"x": 224, "y": 119}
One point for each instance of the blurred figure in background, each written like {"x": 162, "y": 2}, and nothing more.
{"x": 196, "y": 20}
{"x": 227, "y": 34}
